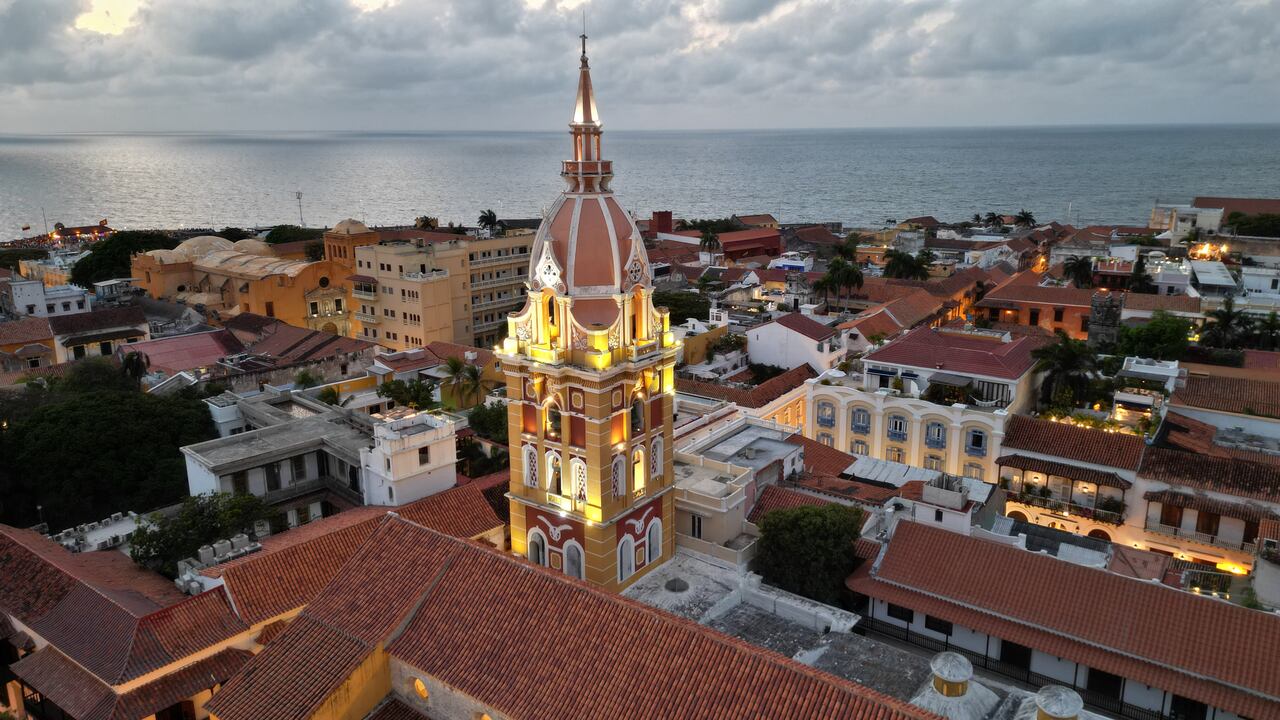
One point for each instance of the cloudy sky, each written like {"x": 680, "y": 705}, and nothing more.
{"x": 111, "y": 65}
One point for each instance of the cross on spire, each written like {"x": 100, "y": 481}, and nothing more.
{"x": 584, "y": 35}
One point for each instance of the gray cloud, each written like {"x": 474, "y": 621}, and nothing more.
{"x": 439, "y": 64}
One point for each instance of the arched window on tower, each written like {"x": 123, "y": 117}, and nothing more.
{"x": 619, "y": 476}
{"x": 655, "y": 459}
{"x": 637, "y": 415}
{"x": 637, "y": 470}
{"x": 553, "y": 420}
{"x": 555, "y": 479}
{"x": 536, "y": 550}
{"x": 530, "y": 466}
{"x": 653, "y": 541}
{"x": 573, "y": 565}
{"x": 578, "y": 473}
{"x": 626, "y": 558}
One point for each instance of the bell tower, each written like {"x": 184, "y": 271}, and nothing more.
{"x": 590, "y": 368}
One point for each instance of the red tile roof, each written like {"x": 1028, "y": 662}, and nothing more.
{"x": 395, "y": 710}
{"x": 1168, "y": 303}
{"x": 761, "y": 219}
{"x": 294, "y": 344}
{"x": 1185, "y": 433}
{"x": 73, "y": 688}
{"x": 1227, "y": 475}
{"x": 822, "y": 459}
{"x": 1212, "y": 651}
{"x": 1240, "y": 396}
{"x": 1014, "y": 292}
{"x": 1204, "y": 503}
{"x": 26, "y": 330}
{"x": 961, "y": 352}
{"x": 95, "y": 320}
{"x": 187, "y": 352}
{"x": 1248, "y": 206}
{"x": 804, "y": 325}
{"x": 780, "y": 498}
{"x": 445, "y": 350}
{"x": 257, "y": 582}
{"x": 1097, "y": 447}
{"x": 756, "y": 397}
{"x": 816, "y": 235}
{"x": 180, "y": 685}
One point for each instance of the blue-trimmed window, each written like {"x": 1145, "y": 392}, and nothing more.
{"x": 826, "y": 414}
{"x": 860, "y": 421}
{"x": 897, "y": 427}
{"x": 935, "y": 435}
{"x": 859, "y": 447}
{"x": 975, "y": 443}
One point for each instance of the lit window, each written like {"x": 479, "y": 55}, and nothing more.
{"x": 420, "y": 688}
{"x": 860, "y": 447}
{"x": 974, "y": 471}
{"x": 637, "y": 470}
{"x": 933, "y": 462}
{"x": 554, "y": 479}
{"x": 553, "y": 421}
{"x": 537, "y": 548}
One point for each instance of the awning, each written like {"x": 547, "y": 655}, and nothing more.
{"x": 99, "y": 337}
{"x": 77, "y": 691}
{"x": 363, "y": 279}
{"x": 1071, "y": 472}
{"x": 1241, "y": 511}
{"x": 949, "y": 379}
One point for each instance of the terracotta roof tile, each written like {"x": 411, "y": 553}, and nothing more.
{"x": 180, "y": 685}
{"x": 1230, "y": 395}
{"x": 756, "y": 397}
{"x": 1204, "y": 503}
{"x": 1186, "y": 433}
{"x": 1013, "y": 292}
{"x": 822, "y": 459}
{"x": 815, "y": 234}
{"x": 1248, "y": 206}
{"x": 1097, "y": 447}
{"x": 1227, "y": 475}
{"x": 806, "y": 326}
{"x": 1211, "y": 651}
{"x": 1168, "y": 303}
{"x": 1066, "y": 470}
{"x": 953, "y": 351}
{"x": 26, "y": 330}
{"x": 395, "y": 710}
{"x": 446, "y": 350}
{"x": 73, "y": 688}
{"x": 780, "y": 498}
{"x": 94, "y": 320}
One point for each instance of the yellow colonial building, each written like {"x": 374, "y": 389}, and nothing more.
{"x": 590, "y": 380}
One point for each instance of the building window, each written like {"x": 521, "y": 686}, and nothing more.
{"x": 79, "y": 304}
{"x": 637, "y": 416}
{"x": 578, "y": 471}
{"x": 937, "y": 625}
{"x": 626, "y": 558}
{"x": 935, "y": 435}
{"x": 905, "y": 614}
{"x": 656, "y": 459}
{"x": 975, "y": 443}
{"x": 337, "y": 304}
{"x": 530, "y": 466}
{"x": 826, "y": 414}
{"x": 298, "y": 466}
{"x": 619, "y": 476}
{"x": 537, "y": 552}
{"x": 860, "y": 421}
{"x": 240, "y": 483}
{"x": 826, "y": 439}
{"x": 653, "y": 542}
{"x": 554, "y": 479}
{"x": 573, "y": 565}
{"x": 933, "y": 462}
{"x": 859, "y": 447}
{"x": 273, "y": 476}
{"x": 974, "y": 471}
{"x": 637, "y": 470}
{"x": 271, "y": 309}
{"x": 424, "y": 455}
{"x": 894, "y": 454}
{"x": 104, "y": 348}
{"x": 1057, "y": 315}
{"x": 897, "y": 427}
{"x": 553, "y": 421}
{"x": 695, "y": 526}
{"x": 315, "y": 308}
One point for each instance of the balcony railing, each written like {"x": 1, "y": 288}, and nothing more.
{"x": 861, "y": 428}
{"x": 1109, "y": 517}
{"x": 900, "y": 435}
{"x": 1199, "y": 537}
{"x": 514, "y": 299}
{"x": 936, "y": 443}
{"x": 491, "y": 325}
{"x": 306, "y": 487}
{"x": 366, "y": 317}
{"x": 975, "y": 451}
{"x": 498, "y": 259}
{"x": 826, "y": 422}
{"x": 364, "y": 294}
{"x": 495, "y": 282}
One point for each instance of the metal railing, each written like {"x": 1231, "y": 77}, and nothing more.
{"x": 498, "y": 259}
{"x": 306, "y": 487}
{"x": 495, "y": 282}
{"x": 514, "y": 299}
{"x": 366, "y": 317}
{"x": 491, "y": 325}
{"x": 1199, "y": 537}
{"x": 364, "y": 294}
{"x": 1092, "y": 698}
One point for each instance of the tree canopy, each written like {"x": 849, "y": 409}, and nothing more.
{"x": 489, "y": 422}
{"x": 201, "y": 520}
{"x": 10, "y": 257}
{"x": 1264, "y": 225}
{"x": 809, "y": 550}
{"x": 109, "y": 258}
{"x": 683, "y": 305}
{"x": 293, "y": 233}
{"x": 92, "y": 444}
{"x": 1164, "y": 337}
{"x": 714, "y": 225}
{"x": 413, "y": 393}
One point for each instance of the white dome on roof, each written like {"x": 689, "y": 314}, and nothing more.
{"x": 253, "y": 246}
{"x": 198, "y": 247}
{"x": 350, "y": 226}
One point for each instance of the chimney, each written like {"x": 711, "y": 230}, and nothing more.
{"x": 660, "y": 222}
{"x": 1055, "y": 702}
{"x": 951, "y": 674}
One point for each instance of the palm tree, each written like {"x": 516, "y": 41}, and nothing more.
{"x": 841, "y": 275}
{"x": 823, "y": 285}
{"x": 1067, "y": 363}
{"x": 993, "y": 220}
{"x": 135, "y": 366}
{"x": 455, "y": 377}
{"x": 1080, "y": 270}
{"x": 849, "y": 248}
{"x": 489, "y": 220}
{"x": 710, "y": 242}
{"x": 1227, "y": 327}
{"x": 1140, "y": 281}
{"x": 426, "y": 222}
{"x": 474, "y": 383}
{"x": 977, "y": 219}
{"x": 1025, "y": 218}
{"x": 1267, "y": 332}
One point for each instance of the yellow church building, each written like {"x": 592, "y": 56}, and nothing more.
{"x": 590, "y": 367}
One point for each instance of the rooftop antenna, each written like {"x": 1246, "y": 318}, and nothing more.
{"x": 298, "y": 194}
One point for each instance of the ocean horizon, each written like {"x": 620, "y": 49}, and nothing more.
{"x": 866, "y": 176}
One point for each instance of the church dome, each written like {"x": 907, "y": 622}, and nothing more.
{"x": 253, "y": 246}
{"x": 350, "y": 226}
{"x": 587, "y": 245}
{"x": 198, "y": 247}
{"x": 166, "y": 257}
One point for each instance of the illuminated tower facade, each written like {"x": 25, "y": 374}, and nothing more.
{"x": 590, "y": 368}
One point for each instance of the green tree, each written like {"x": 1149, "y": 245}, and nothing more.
{"x": 1079, "y": 270}
{"x": 426, "y": 222}
{"x": 306, "y": 379}
{"x": 976, "y": 219}
{"x": 809, "y": 550}
{"x": 489, "y": 422}
{"x": 110, "y": 258}
{"x": 293, "y": 233}
{"x": 1139, "y": 280}
{"x": 1163, "y": 337}
{"x": 489, "y": 219}
{"x": 993, "y": 220}
{"x": 1066, "y": 363}
{"x": 905, "y": 266}
{"x": 9, "y": 258}
{"x": 234, "y": 233}
{"x": 710, "y": 242}
{"x": 1266, "y": 332}
{"x": 1227, "y": 327}
{"x": 329, "y": 395}
{"x": 135, "y": 366}
{"x": 715, "y": 225}
{"x": 1263, "y": 225}
{"x": 314, "y": 251}
{"x": 415, "y": 393}
{"x": 201, "y": 520}
{"x": 683, "y": 305}
{"x": 1025, "y": 218}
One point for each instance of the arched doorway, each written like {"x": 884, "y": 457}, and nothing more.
{"x": 329, "y": 328}
{"x": 1100, "y": 535}
{"x": 1016, "y": 515}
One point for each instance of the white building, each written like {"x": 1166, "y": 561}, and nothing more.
{"x": 793, "y": 340}
{"x": 32, "y": 298}
{"x": 793, "y": 262}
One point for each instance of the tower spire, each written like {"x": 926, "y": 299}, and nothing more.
{"x": 587, "y": 171}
